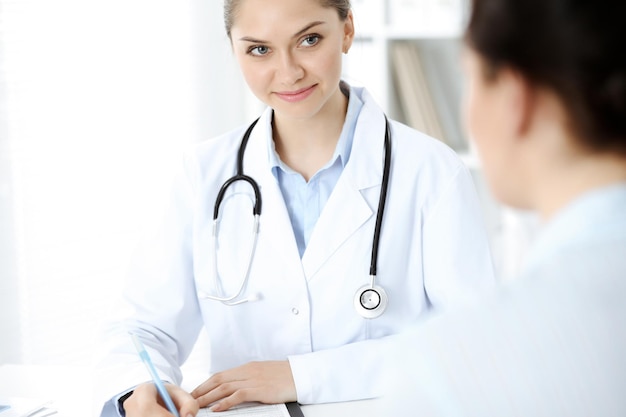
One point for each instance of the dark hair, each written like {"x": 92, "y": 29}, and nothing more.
{"x": 576, "y": 48}
{"x": 230, "y": 10}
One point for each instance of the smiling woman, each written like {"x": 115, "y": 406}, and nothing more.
{"x": 353, "y": 209}
{"x": 275, "y": 72}
{"x": 93, "y": 111}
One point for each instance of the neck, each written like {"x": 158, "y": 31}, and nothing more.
{"x": 562, "y": 183}
{"x": 305, "y": 145}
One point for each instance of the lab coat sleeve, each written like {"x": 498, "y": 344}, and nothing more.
{"x": 456, "y": 255}
{"x": 347, "y": 373}
{"x": 457, "y": 269}
{"x": 159, "y": 302}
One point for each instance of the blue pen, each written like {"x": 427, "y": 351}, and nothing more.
{"x": 155, "y": 377}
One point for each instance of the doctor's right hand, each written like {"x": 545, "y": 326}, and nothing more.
{"x": 145, "y": 401}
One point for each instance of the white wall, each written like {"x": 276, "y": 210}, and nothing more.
{"x": 223, "y": 99}
{"x": 101, "y": 97}
{"x": 97, "y": 99}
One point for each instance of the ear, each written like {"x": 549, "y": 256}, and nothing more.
{"x": 521, "y": 100}
{"x": 348, "y": 31}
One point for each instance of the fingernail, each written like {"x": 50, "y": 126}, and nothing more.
{"x": 189, "y": 415}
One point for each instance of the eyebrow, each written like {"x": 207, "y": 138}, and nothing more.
{"x": 299, "y": 33}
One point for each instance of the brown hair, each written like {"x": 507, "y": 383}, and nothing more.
{"x": 576, "y": 48}
{"x": 230, "y": 10}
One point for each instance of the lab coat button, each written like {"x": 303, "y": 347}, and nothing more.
{"x": 295, "y": 311}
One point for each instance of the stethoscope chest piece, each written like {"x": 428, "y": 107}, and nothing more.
{"x": 370, "y": 301}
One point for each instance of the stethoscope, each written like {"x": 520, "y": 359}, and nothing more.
{"x": 370, "y": 301}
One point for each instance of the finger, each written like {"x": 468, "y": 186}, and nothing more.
{"x": 144, "y": 401}
{"x": 220, "y": 392}
{"x": 238, "y": 397}
{"x": 185, "y": 403}
{"x": 216, "y": 380}
{"x": 206, "y": 386}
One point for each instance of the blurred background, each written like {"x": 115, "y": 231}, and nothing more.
{"x": 97, "y": 100}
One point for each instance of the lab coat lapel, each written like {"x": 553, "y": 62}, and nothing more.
{"x": 275, "y": 225}
{"x": 347, "y": 209}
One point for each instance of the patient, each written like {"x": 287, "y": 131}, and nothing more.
{"x": 546, "y": 107}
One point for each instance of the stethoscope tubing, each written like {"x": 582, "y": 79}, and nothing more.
{"x": 364, "y": 310}
{"x": 240, "y": 176}
{"x": 381, "y": 201}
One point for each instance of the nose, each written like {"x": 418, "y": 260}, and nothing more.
{"x": 289, "y": 69}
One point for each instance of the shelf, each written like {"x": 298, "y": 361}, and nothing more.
{"x": 392, "y": 34}
{"x": 423, "y": 33}
{"x": 401, "y": 78}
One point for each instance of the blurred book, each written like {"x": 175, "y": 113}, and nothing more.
{"x": 428, "y": 84}
{"x": 413, "y": 90}
{"x": 442, "y": 67}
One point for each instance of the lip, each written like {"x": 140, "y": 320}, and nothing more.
{"x": 296, "y": 95}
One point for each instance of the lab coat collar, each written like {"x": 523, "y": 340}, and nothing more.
{"x": 346, "y": 209}
{"x": 364, "y": 168}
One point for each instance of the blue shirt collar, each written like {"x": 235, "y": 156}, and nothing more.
{"x": 346, "y": 138}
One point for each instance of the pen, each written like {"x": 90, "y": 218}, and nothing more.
{"x": 155, "y": 377}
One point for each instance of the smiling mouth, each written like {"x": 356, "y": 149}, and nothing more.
{"x": 297, "y": 95}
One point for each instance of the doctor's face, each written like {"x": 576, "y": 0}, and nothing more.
{"x": 290, "y": 53}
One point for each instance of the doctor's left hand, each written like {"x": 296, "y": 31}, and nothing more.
{"x": 269, "y": 382}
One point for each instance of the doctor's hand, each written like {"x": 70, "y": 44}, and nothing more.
{"x": 269, "y": 382}
{"x": 146, "y": 401}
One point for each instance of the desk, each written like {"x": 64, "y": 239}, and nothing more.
{"x": 72, "y": 399}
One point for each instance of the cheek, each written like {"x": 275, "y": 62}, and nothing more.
{"x": 482, "y": 125}
{"x": 253, "y": 74}
{"x": 496, "y": 158}
{"x": 475, "y": 117}
{"x": 327, "y": 62}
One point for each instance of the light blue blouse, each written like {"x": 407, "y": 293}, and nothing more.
{"x": 305, "y": 200}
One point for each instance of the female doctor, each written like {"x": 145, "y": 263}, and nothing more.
{"x": 334, "y": 228}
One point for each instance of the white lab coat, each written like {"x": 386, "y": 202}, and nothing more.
{"x": 433, "y": 253}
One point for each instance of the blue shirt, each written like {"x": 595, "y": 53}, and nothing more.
{"x": 305, "y": 200}
{"x": 550, "y": 343}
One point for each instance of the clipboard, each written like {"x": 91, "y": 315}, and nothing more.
{"x": 294, "y": 409}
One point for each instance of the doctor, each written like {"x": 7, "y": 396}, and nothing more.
{"x": 364, "y": 226}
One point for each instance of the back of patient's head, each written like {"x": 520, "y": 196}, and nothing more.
{"x": 576, "y": 48}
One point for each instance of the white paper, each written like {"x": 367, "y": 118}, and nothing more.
{"x": 25, "y": 407}
{"x": 248, "y": 410}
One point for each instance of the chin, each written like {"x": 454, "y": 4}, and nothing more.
{"x": 297, "y": 111}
